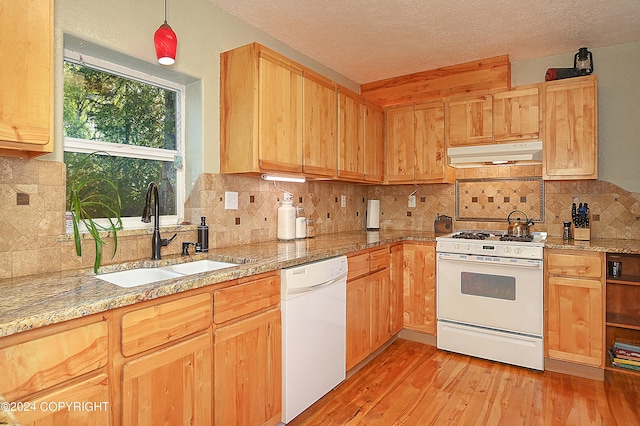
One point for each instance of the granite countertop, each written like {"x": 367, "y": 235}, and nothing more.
{"x": 39, "y": 300}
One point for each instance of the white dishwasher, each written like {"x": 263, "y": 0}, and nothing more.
{"x": 314, "y": 319}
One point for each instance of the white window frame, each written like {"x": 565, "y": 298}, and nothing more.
{"x": 176, "y": 156}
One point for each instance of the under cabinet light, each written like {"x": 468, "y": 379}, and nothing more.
{"x": 283, "y": 178}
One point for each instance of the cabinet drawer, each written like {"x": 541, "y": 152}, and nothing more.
{"x": 358, "y": 265}
{"x": 156, "y": 325}
{"x": 379, "y": 259}
{"x": 47, "y": 361}
{"x": 570, "y": 264}
{"x": 242, "y": 299}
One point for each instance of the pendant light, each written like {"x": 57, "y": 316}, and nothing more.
{"x": 166, "y": 42}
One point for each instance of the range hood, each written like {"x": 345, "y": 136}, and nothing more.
{"x": 497, "y": 153}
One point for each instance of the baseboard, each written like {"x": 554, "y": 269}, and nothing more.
{"x": 416, "y": 336}
{"x": 573, "y": 369}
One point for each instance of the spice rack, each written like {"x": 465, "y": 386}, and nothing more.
{"x": 623, "y": 304}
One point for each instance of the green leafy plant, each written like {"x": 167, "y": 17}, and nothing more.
{"x": 91, "y": 196}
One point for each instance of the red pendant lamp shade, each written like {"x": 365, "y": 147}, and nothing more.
{"x": 166, "y": 42}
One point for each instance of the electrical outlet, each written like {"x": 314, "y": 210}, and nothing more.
{"x": 412, "y": 200}
{"x": 230, "y": 200}
{"x": 343, "y": 201}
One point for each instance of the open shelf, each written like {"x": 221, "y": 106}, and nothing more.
{"x": 623, "y": 305}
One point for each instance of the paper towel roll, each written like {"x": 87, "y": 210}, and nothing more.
{"x": 373, "y": 214}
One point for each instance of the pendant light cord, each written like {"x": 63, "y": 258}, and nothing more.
{"x": 165, "y": 11}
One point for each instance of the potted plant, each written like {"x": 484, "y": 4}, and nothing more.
{"x": 94, "y": 202}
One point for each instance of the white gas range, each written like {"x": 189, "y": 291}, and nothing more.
{"x": 490, "y": 296}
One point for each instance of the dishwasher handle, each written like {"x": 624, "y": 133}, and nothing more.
{"x": 296, "y": 291}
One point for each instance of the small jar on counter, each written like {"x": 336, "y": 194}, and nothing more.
{"x": 301, "y": 223}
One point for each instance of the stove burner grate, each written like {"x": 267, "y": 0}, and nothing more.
{"x": 472, "y": 235}
{"x": 521, "y": 238}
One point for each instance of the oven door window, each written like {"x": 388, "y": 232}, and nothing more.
{"x": 488, "y": 285}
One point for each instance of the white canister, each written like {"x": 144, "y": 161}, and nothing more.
{"x": 286, "y": 220}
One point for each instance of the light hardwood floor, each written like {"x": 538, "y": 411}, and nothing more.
{"x": 415, "y": 384}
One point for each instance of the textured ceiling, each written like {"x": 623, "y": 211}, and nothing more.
{"x": 369, "y": 40}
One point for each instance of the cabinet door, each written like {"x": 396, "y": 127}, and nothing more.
{"x": 431, "y": 156}
{"x": 170, "y": 386}
{"x": 319, "y": 126}
{"x": 350, "y": 135}
{"x": 400, "y": 144}
{"x": 26, "y": 77}
{"x": 470, "y": 121}
{"x": 570, "y": 149}
{"x": 358, "y": 320}
{"x": 280, "y": 115}
{"x": 93, "y": 392}
{"x": 373, "y": 143}
{"x": 248, "y": 371}
{"x": 396, "y": 304}
{"x": 419, "y": 281}
{"x": 380, "y": 284}
{"x": 575, "y": 320}
{"x": 516, "y": 115}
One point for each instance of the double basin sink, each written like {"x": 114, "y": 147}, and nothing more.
{"x": 141, "y": 276}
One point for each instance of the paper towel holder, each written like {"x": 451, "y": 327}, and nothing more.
{"x": 373, "y": 215}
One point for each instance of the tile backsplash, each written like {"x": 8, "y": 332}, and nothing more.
{"x": 32, "y": 195}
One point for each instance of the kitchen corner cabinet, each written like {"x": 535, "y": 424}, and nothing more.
{"x": 369, "y": 299}
{"x": 373, "y": 143}
{"x": 470, "y": 120}
{"x": 64, "y": 362}
{"x": 26, "y": 78}
{"x": 415, "y": 144}
{"x": 351, "y": 113}
{"x": 517, "y": 114}
{"x": 570, "y": 146}
{"x": 260, "y": 112}
{"x": 623, "y": 305}
{"x": 319, "y": 126}
{"x": 574, "y": 305}
{"x": 419, "y": 284}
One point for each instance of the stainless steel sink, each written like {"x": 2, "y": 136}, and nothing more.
{"x": 141, "y": 276}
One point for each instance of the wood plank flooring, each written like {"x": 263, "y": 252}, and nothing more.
{"x": 415, "y": 384}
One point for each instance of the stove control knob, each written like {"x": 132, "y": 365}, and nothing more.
{"x": 507, "y": 249}
{"x": 456, "y": 246}
{"x": 467, "y": 247}
{"x": 517, "y": 250}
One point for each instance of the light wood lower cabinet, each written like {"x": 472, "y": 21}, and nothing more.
{"x": 574, "y": 304}
{"x": 170, "y": 386}
{"x": 419, "y": 283}
{"x": 64, "y": 363}
{"x": 370, "y": 296}
{"x": 248, "y": 371}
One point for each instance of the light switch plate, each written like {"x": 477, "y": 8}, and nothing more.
{"x": 343, "y": 201}
{"x": 230, "y": 200}
{"x": 412, "y": 200}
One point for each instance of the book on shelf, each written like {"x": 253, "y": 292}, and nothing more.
{"x": 627, "y": 366}
{"x": 617, "y": 360}
{"x": 625, "y": 354}
{"x": 627, "y": 347}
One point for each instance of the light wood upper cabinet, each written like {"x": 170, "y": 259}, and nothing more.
{"x": 373, "y": 143}
{"x": 400, "y": 131}
{"x": 516, "y": 114}
{"x": 351, "y": 111}
{"x": 26, "y": 78}
{"x": 470, "y": 120}
{"x": 570, "y": 146}
{"x": 319, "y": 125}
{"x": 261, "y": 112}
{"x": 574, "y": 306}
{"x": 415, "y": 144}
{"x": 430, "y": 151}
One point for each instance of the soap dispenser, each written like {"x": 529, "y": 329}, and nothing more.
{"x": 203, "y": 236}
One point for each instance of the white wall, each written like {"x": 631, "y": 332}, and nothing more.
{"x": 618, "y": 69}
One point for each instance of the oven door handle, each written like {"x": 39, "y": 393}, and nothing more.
{"x": 532, "y": 265}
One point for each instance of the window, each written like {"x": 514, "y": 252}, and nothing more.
{"x": 133, "y": 123}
